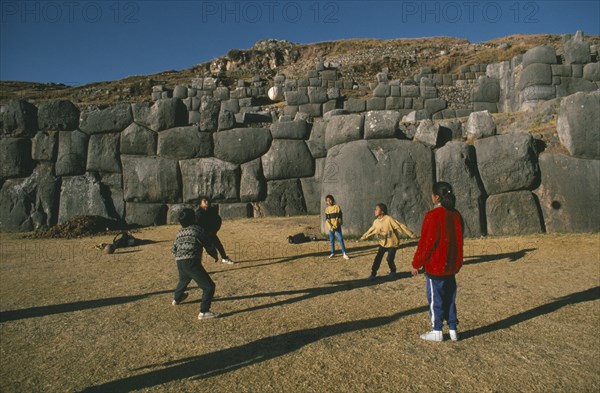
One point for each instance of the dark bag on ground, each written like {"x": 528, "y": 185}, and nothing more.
{"x": 300, "y": 238}
{"x": 124, "y": 239}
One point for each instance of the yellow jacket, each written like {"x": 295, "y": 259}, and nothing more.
{"x": 385, "y": 229}
{"x": 333, "y": 215}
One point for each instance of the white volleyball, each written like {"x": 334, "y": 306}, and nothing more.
{"x": 276, "y": 93}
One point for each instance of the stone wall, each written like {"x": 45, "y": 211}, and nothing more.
{"x": 277, "y": 148}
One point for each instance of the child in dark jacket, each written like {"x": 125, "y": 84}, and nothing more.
{"x": 208, "y": 218}
{"x": 440, "y": 250}
{"x": 187, "y": 250}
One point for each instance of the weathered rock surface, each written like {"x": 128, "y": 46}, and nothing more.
{"x": 568, "y": 193}
{"x": 363, "y": 173}
{"x": 513, "y": 213}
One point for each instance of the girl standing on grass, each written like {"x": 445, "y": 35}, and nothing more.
{"x": 333, "y": 218}
{"x": 440, "y": 250}
{"x": 385, "y": 228}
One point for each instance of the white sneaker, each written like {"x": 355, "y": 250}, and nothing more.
{"x": 183, "y": 297}
{"x": 454, "y": 335}
{"x": 434, "y": 335}
{"x": 227, "y": 261}
{"x": 346, "y": 257}
{"x": 331, "y": 256}
{"x": 207, "y": 315}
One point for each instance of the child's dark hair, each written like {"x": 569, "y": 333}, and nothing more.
{"x": 382, "y": 207}
{"x": 444, "y": 191}
{"x": 187, "y": 217}
{"x": 330, "y": 197}
{"x": 203, "y": 197}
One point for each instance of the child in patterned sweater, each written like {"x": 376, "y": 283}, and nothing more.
{"x": 187, "y": 250}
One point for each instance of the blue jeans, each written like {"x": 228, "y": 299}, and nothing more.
{"x": 338, "y": 233}
{"x": 441, "y": 296}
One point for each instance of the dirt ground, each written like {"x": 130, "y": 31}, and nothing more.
{"x": 75, "y": 319}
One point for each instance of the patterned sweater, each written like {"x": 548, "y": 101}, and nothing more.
{"x": 189, "y": 242}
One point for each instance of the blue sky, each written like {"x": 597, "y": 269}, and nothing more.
{"x": 79, "y": 41}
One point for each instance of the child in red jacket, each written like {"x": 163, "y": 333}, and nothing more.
{"x": 440, "y": 250}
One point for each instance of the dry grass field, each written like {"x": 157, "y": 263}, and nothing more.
{"x": 75, "y": 319}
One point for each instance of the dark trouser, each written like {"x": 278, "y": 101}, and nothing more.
{"x": 219, "y": 246}
{"x": 391, "y": 254}
{"x": 441, "y": 296}
{"x": 192, "y": 269}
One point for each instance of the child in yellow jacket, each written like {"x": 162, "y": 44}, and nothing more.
{"x": 385, "y": 228}
{"x": 333, "y": 219}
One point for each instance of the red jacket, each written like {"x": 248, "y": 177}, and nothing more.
{"x": 440, "y": 247}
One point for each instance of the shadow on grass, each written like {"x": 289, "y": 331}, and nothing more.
{"x": 231, "y": 359}
{"x": 306, "y": 294}
{"x": 42, "y": 311}
{"x": 511, "y": 256}
{"x": 352, "y": 252}
{"x": 574, "y": 298}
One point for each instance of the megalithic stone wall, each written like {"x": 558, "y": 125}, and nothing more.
{"x": 141, "y": 163}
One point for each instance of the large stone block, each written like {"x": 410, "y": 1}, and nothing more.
{"x": 31, "y": 203}
{"x": 409, "y": 90}
{"x": 427, "y": 133}
{"x": 513, "y": 213}
{"x": 112, "y": 187}
{"x": 19, "y": 119}
{"x": 138, "y": 140}
{"x": 342, "y": 129}
{"x": 72, "y": 153}
{"x": 284, "y": 198}
{"x": 161, "y": 114}
{"x": 146, "y": 214}
{"x": 480, "y": 125}
{"x": 363, "y": 173}
{"x": 209, "y": 113}
{"x": 570, "y": 86}
{"x": 486, "y": 90}
{"x": 434, "y": 105}
{"x": 59, "y": 115}
{"x": 538, "y": 93}
{"x": 381, "y": 124}
{"x": 296, "y": 98}
{"x": 540, "y": 54}
{"x": 81, "y": 196}
{"x": 507, "y": 162}
{"x": 44, "y": 146}
{"x": 591, "y": 72}
{"x": 298, "y": 129}
{"x": 185, "y": 142}
{"x": 354, "y": 105}
{"x": 216, "y": 179}
{"x": 229, "y": 211}
{"x": 287, "y": 159}
{"x": 316, "y": 142}
{"x": 578, "y": 122}
{"x": 253, "y": 186}
{"x": 311, "y": 188}
{"x": 576, "y": 51}
{"x": 103, "y": 153}
{"x": 242, "y": 144}
{"x": 568, "y": 193}
{"x": 535, "y": 74}
{"x": 151, "y": 179}
{"x": 15, "y": 157}
{"x": 456, "y": 164}
{"x": 100, "y": 119}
